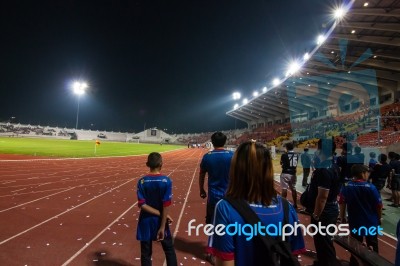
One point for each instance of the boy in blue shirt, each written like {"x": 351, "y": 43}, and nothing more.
{"x": 154, "y": 192}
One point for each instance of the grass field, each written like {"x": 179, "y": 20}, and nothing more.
{"x": 77, "y": 148}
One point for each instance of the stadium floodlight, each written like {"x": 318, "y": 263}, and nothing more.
{"x": 245, "y": 101}
{"x": 321, "y": 39}
{"x": 306, "y": 56}
{"x": 276, "y": 82}
{"x": 79, "y": 89}
{"x": 264, "y": 89}
{"x": 255, "y": 93}
{"x": 366, "y": 4}
{"x": 236, "y": 106}
{"x": 236, "y": 95}
{"x": 294, "y": 67}
{"x": 339, "y": 13}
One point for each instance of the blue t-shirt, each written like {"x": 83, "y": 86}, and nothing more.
{"x": 362, "y": 200}
{"x": 229, "y": 247}
{"x": 217, "y": 164}
{"x": 154, "y": 190}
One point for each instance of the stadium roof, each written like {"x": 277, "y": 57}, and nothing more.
{"x": 362, "y": 47}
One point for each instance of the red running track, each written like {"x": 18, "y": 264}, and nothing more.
{"x": 65, "y": 211}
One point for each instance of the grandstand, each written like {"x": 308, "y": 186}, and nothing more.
{"x": 348, "y": 87}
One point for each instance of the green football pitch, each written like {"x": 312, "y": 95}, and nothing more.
{"x": 77, "y": 148}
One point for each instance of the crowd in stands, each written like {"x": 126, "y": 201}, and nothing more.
{"x": 17, "y": 129}
{"x": 360, "y": 126}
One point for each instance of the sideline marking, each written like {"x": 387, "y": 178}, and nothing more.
{"x": 97, "y": 236}
{"x": 64, "y": 212}
{"x": 22, "y": 204}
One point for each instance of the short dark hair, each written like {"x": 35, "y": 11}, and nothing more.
{"x": 289, "y": 146}
{"x": 358, "y": 169}
{"x": 382, "y": 158}
{"x": 357, "y": 149}
{"x": 154, "y": 160}
{"x": 392, "y": 155}
{"x": 218, "y": 139}
{"x": 306, "y": 149}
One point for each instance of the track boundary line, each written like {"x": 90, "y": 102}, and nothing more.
{"x": 83, "y": 158}
{"x": 64, "y": 212}
{"x": 97, "y": 236}
{"x": 22, "y": 204}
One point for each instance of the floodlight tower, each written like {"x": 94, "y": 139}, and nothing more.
{"x": 79, "y": 89}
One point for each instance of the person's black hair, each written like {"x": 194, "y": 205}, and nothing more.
{"x": 154, "y": 160}
{"x": 289, "y": 146}
{"x": 218, "y": 139}
{"x": 357, "y": 150}
{"x": 306, "y": 149}
{"x": 372, "y": 154}
{"x": 358, "y": 169}
{"x": 382, "y": 158}
{"x": 392, "y": 155}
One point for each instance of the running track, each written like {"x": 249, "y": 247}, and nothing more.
{"x": 65, "y": 211}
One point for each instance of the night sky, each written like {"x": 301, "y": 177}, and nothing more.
{"x": 167, "y": 64}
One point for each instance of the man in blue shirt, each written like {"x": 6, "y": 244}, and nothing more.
{"x": 364, "y": 205}
{"x": 154, "y": 192}
{"x": 216, "y": 164}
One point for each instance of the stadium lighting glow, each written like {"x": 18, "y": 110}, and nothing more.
{"x": 255, "y": 94}
{"x": 306, "y": 56}
{"x": 321, "y": 39}
{"x": 79, "y": 89}
{"x": 245, "y": 101}
{"x": 294, "y": 67}
{"x": 366, "y": 4}
{"x": 236, "y": 95}
{"x": 353, "y": 31}
{"x": 264, "y": 89}
{"x": 339, "y": 13}
{"x": 236, "y": 106}
{"x": 276, "y": 82}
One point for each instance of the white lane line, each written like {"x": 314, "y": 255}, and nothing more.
{"x": 22, "y": 204}
{"x": 84, "y": 158}
{"x": 17, "y": 190}
{"x": 97, "y": 236}
{"x": 184, "y": 205}
{"x": 183, "y": 208}
{"x": 390, "y": 236}
{"x": 41, "y": 191}
{"x": 62, "y": 213}
{"x": 387, "y": 243}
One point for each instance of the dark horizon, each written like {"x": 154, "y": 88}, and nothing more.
{"x": 148, "y": 64}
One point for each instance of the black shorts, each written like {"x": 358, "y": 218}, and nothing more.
{"x": 395, "y": 183}
{"x": 210, "y": 213}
